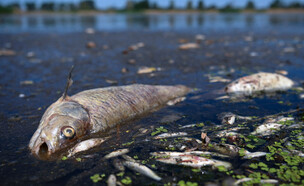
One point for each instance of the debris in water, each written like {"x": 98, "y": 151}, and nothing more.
{"x": 262, "y": 81}
{"x": 30, "y": 54}
{"x": 91, "y": 44}
{"x": 188, "y": 46}
{"x": 116, "y": 153}
{"x": 146, "y": 70}
{"x": 199, "y": 38}
{"x": 27, "y": 82}
{"x": 90, "y": 31}
{"x": 21, "y": 95}
{"x": 5, "y": 52}
{"x": 141, "y": 169}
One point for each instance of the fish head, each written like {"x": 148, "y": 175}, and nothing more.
{"x": 59, "y": 129}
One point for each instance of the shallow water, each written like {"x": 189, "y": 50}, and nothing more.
{"x": 63, "y": 23}
{"x": 58, "y": 45}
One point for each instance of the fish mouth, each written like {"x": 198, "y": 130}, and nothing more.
{"x": 43, "y": 149}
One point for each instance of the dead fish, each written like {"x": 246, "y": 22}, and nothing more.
{"x": 112, "y": 180}
{"x": 70, "y": 119}
{"x": 141, "y": 169}
{"x": 268, "y": 82}
{"x": 188, "y": 46}
{"x": 262, "y": 181}
{"x": 116, "y": 153}
{"x": 267, "y": 129}
{"x": 197, "y": 153}
{"x": 180, "y": 158}
{"x": 170, "y": 135}
{"x": 85, "y": 145}
{"x": 250, "y": 155}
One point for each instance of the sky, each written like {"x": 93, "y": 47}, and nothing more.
{"x": 105, "y": 4}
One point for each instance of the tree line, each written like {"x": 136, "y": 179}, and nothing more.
{"x": 135, "y": 5}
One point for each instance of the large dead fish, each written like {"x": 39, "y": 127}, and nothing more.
{"x": 268, "y": 82}
{"x": 70, "y": 119}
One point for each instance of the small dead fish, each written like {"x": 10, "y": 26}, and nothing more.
{"x": 180, "y": 158}
{"x": 116, "y": 153}
{"x": 188, "y": 46}
{"x": 227, "y": 118}
{"x": 268, "y": 82}
{"x": 170, "y": 135}
{"x": 267, "y": 129}
{"x": 250, "y": 155}
{"x": 262, "y": 181}
{"x": 112, "y": 180}
{"x": 85, "y": 145}
{"x": 71, "y": 119}
{"x": 141, "y": 169}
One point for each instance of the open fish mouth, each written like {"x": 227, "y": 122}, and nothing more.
{"x": 43, "y": 148}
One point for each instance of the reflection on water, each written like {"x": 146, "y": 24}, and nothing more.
{"x": 121, "y": 22}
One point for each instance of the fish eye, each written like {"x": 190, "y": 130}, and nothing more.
{"x": 68, "y": 132}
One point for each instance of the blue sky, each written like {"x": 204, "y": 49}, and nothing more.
{"x": 104, "y": 4}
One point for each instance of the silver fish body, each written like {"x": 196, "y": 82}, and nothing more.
{"x": 268, "y": 82}
{"x": 141, "y": 169}
{"x": 70, "y": 119}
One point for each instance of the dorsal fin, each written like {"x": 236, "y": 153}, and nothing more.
{"x": 69, "y": 84}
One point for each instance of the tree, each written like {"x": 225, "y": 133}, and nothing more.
{"x": 250, "y": 5}
{"x": 30, "y": 6}
{"x": 276, "y": 4}
{"x": 200, "y": 5}
{"x": 171, "y": 5}
{"x": 48, "y": 6}
{"x": 295, "y": 5}
{"x": 142, "y": 5}
{"x": 189, "y": 5}
{"x": 87, "y": 5}
{"x": 154, "y": 6}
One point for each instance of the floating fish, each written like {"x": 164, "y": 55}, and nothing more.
{"x": 116, "y": 153}
{"x": 112, "y": 180}
{"x": 267, "y": 129}
{"x": 262, "y": 181}
{"x": 141, "y": 169}
{"x": 250, "y": 155}
{"x": 188, "y": 46}
{"x": 268, "y": 82}
{"x": 170, "y": 135}
{"x": 180, "y": 158}
{"x": 70, "y": 119}
{"x": 85, "y": 145}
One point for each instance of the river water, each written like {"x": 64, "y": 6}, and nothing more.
{"x": 234, "y": 45}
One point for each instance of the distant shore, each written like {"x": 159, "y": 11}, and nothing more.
{"x": 93, "y": 12}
